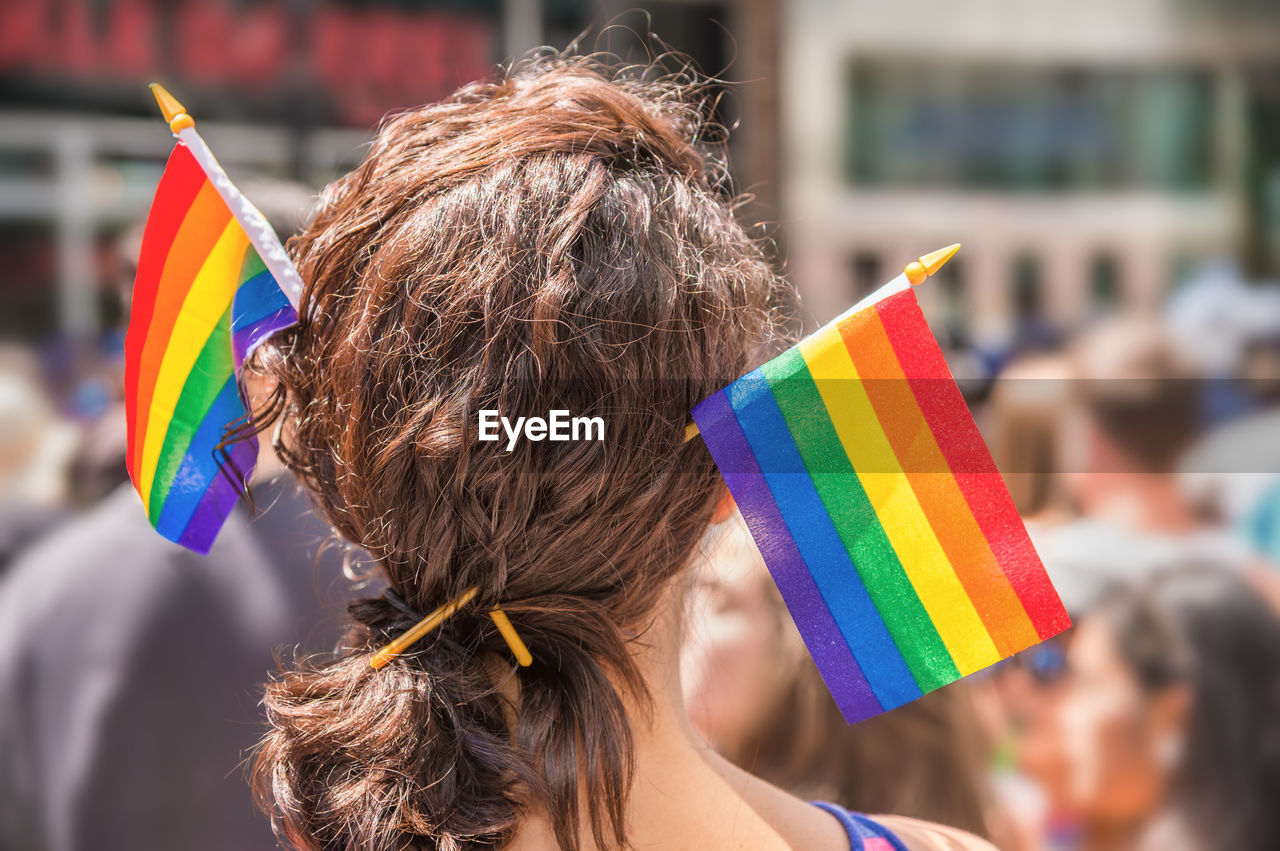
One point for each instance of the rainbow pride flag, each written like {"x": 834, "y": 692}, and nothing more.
{"x": 208, "y": 290}
{"x": 878, "y": 510}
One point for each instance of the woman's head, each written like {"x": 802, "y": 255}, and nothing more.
{"x": 1135, "y": 407}
{"x": 561, "y": 238}
{"x": 740, "y": 651}
{"x": 1172, "y": 705}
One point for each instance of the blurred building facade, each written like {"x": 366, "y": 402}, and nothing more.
{"x": 281, "y": 89}
{"x": 1086, "y": 153}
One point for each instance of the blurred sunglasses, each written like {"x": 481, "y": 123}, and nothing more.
{"x": 1046, "y": 663}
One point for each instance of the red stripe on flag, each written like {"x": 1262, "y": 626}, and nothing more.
{"x": 201, "y": 227}
{"x": 967, "y": 455}
{"x": 178, "y": 187}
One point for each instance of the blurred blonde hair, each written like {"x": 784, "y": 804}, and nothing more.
{"x": 927, "y": 759}
{"x": 1026, "y": 406}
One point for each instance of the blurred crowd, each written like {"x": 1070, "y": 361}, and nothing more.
{"x": 117, "y": 643}
{"x": 1139, "y": 450}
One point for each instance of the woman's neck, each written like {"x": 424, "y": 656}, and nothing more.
{"x": 684, "y": 795}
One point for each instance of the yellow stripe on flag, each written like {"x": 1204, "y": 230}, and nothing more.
{"x": 206, "y": 302}
{"x": 895, "y": 503}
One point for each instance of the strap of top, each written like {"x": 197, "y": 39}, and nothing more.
{"x": 864, "y": 834}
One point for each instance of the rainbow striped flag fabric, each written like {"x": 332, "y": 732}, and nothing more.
{"x": 203, "y": 298}
{"x": 877, "y": 508}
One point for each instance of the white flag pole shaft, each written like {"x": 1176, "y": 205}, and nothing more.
{"x": 897, "y": 285}
{"x": 256, "y": 226}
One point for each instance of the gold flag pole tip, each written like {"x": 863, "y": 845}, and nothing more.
{"x": 928, "y": 265}
{"x": 173, "y": 111}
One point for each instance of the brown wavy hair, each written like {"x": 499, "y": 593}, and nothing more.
{"x": 561, "y": 237}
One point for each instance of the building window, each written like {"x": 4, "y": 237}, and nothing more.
{"x": 951, "y": 285}
{"x": 1027, "y": 290}
{"x": 1104, "y": 283}
{"x": 867, "y": 276}
{"x": 987, "y": 126}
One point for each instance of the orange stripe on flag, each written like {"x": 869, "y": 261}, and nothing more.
{"x": 935, "y": 485}
{"x": 200, "y": 230}
{"x": 947, "y": 601}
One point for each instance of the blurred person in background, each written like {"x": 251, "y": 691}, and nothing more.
{"x": 1214, "y": 320}
{"x": 1235, "y": 470}
{"x": 1022, "y": 424}
{"x": 36, "y": 451}
{"x": 1134, "y": 414}
{"x": 1231, "y": 330}
{"x": 1168, "y": 717}
{"x": 131, "y": 667}
{"x": 1132, "y": 410}
{"x": 753, "y": 691}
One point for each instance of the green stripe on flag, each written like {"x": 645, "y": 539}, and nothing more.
{"x": 856, "y": 522}
{"x": 211, "y": 371}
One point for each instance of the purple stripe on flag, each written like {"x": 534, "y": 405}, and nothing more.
{"x": 728, "y": 445}
{"x": 219, "y": 499}
{"x": 245, "y": 340}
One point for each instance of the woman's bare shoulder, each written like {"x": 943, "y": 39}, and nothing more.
{"x": 926, "y": 836}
